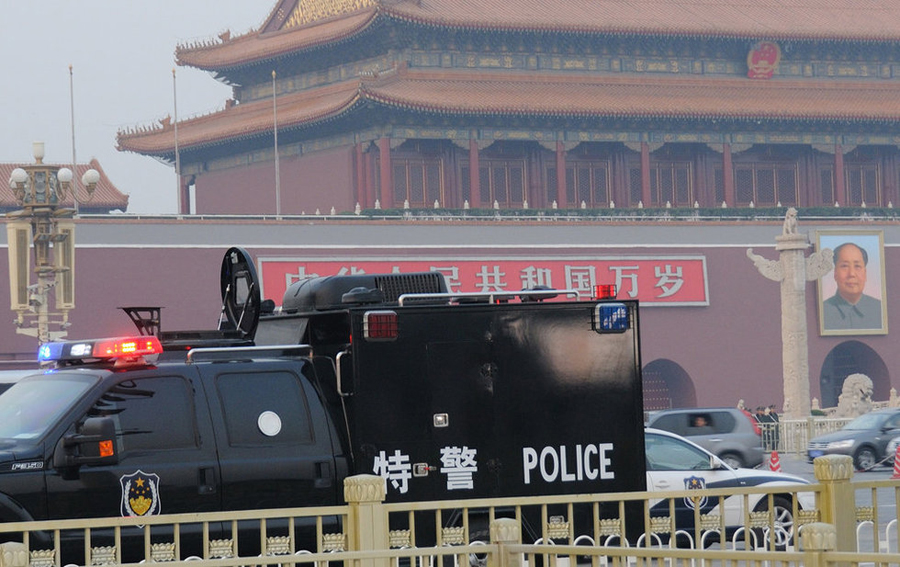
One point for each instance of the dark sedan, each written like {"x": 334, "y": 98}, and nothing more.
{"x": 865, "y": 439}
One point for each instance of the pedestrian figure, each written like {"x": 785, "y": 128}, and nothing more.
{"x": 764, "y": 422}
{"x": 776, "y": 433}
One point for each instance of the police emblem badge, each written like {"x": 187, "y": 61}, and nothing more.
{"x": 695, "y": 483}
{"x": 140, "y": 494}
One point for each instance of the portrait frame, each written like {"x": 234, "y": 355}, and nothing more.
{"x": 872, "y": 241}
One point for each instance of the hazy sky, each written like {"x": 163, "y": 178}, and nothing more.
{"x": 122, "y": 53}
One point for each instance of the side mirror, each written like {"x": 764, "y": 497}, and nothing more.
{"x": 94, "y": 445}
{"x": 716, "y": 464}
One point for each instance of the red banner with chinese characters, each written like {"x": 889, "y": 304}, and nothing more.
{"x": 654, "y": 280}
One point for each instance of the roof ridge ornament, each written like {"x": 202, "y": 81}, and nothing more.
{"x": 307, "y": 11}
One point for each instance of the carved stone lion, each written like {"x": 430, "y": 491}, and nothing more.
{"x": 790, "y": 222}
{"x": 856, "y": 396}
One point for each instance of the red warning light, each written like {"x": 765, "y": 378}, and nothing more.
{"x": 381, "y": 326}
{"x": 605, "y": 291}
{"x": 129, "y": 346}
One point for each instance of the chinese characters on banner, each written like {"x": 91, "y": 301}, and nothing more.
{"x": 654, "y": 280}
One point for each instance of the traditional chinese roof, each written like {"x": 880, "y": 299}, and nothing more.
{"x": 296, "y": 25}
{"x": 106, "y": 197}
{"x": 491, "y": 94}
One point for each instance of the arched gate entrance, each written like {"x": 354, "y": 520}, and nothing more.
{"x": 852, "y": 357}
{"x": 667, "y": 385}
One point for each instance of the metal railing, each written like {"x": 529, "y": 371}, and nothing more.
{"x": 727, "y": 526}
{"x": 792, "y": 436}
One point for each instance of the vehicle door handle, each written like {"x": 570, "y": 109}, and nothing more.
{"x": 323, "y": 474}
{"x": 206, "y": 480}
{"x": 662, "y": 484}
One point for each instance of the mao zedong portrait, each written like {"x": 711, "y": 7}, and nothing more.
{"x": 849, "y": 308}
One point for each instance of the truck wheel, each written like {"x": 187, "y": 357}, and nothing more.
{"x": 783, "y": 521}
{"x": 865, "y": 459}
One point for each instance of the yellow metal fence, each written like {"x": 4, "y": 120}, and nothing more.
{"x": 832, "y": 521}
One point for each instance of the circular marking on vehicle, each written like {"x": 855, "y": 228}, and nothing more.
{"x": 269, "y": 423}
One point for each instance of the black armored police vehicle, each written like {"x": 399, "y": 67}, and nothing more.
{"x": 446, "y": 396}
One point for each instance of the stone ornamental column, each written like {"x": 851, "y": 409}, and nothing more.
{"x": 506, "y": 531}
{"x": 793, "y": 269}
{"x": 838, "y": 498}
{"x": 367, "y": 521}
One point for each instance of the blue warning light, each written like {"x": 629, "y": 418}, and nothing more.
{"x": 612, "y": 318}
{"x": 50, "y": 351}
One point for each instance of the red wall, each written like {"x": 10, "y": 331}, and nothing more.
{"x": 320, "y": 180}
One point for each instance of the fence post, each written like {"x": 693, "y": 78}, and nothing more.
{"x": 505, "y": 531}
{"x": 367, "y": 521}
{"x": 816, "y": 539}
{"x": 838, "y": 502}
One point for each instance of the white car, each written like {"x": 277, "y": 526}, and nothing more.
{"x": 674, "y": 463}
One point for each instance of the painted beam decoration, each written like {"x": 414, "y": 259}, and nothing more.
{"x": 654, "y": 280}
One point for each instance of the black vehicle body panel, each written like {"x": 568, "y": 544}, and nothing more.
{"x": 508, "y": 378}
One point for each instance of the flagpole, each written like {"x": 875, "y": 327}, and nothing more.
{"x": 177, "y": 156}
{"x": 74, "y": 162}
{"x": 277, "y": 169}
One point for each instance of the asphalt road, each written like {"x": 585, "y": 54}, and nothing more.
{"x": 798, "y": 465}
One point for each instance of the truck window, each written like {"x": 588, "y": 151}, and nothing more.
{"x": 151, "y": 414}
{"x": 267, "y": 408}
{"x": 31, "y": 406}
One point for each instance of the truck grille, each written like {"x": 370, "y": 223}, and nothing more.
{"x": 395, "y": 285}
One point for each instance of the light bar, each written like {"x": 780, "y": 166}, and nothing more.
{"x": 126, "y": 347}
{"x": 112, "y": 348}
{"x": 50, "y": 351}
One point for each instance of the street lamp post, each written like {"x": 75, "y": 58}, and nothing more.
{"x": 44, "y": 223}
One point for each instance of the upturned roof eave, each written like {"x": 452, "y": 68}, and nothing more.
{"x": 166, "y": 150}
{"x": 268, "y": 46}
{"x": 106, "y": 194}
